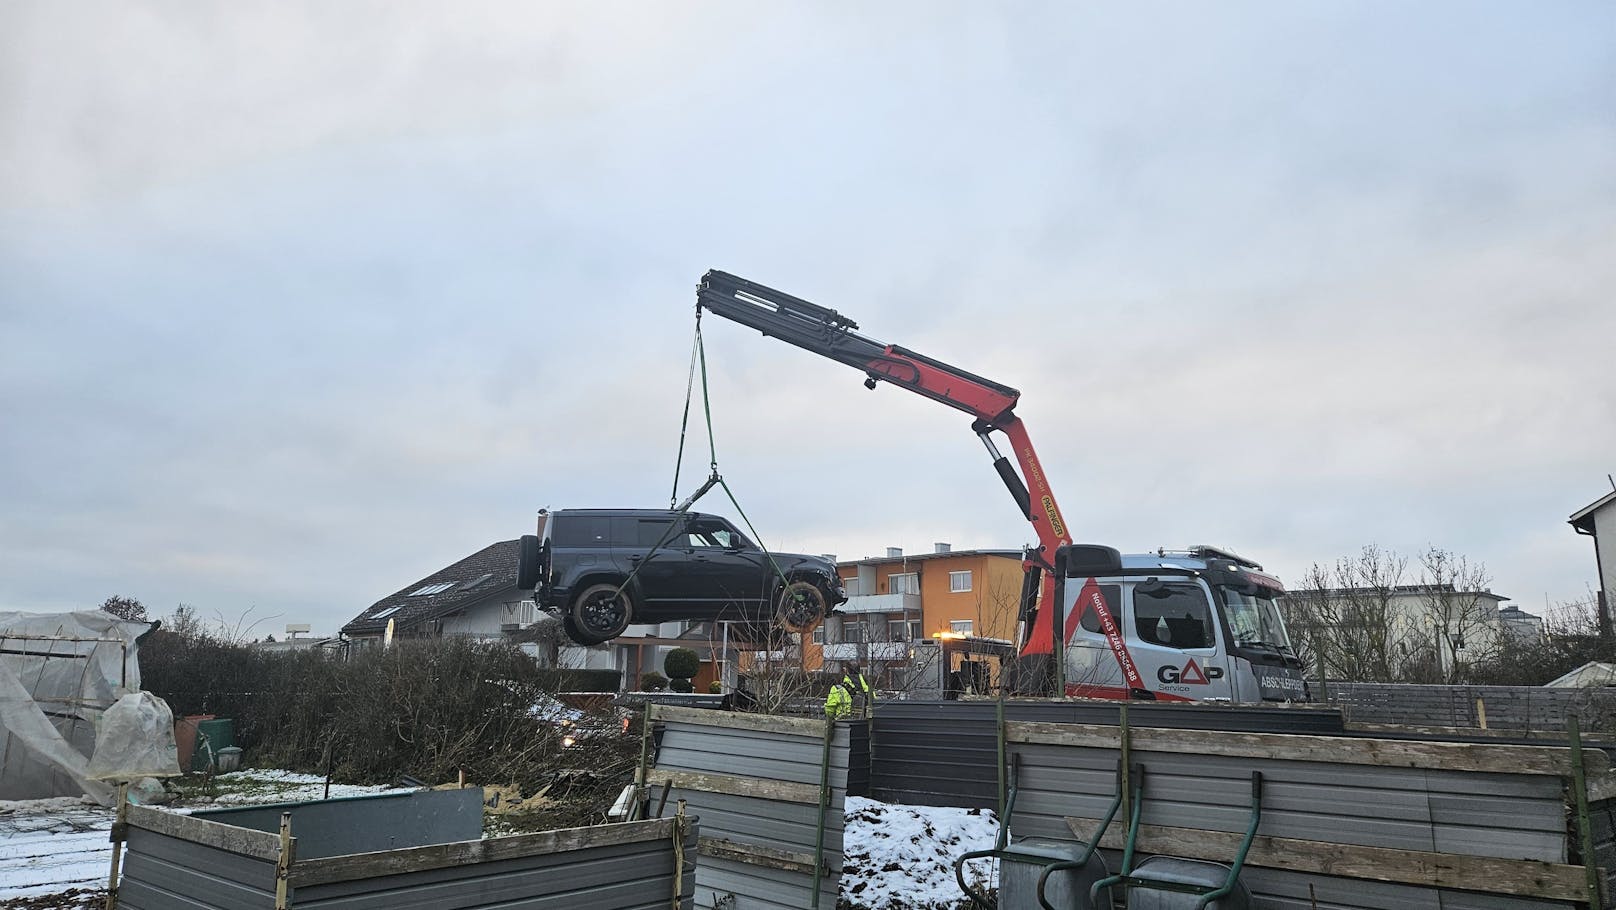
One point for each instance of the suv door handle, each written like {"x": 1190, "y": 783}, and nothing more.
{"x": 634, "y": 557}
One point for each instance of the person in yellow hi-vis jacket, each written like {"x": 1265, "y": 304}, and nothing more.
{"x": 851, "y": 695}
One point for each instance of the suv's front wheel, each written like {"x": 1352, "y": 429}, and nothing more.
{"x": 599, "y": 613}
{"x": 801, "y": 607}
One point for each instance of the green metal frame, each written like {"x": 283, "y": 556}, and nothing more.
{"x": 1137, "y": 776}
{"x": 981, "y": 900}
{"x": 1127, "y": 880}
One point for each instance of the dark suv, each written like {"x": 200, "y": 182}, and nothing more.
{"x": 601, "y": 569}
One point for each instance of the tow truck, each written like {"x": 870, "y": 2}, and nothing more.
{"x": 1203, "y": 621}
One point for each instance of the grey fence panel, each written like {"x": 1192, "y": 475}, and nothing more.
{"x": 731, "y": 885}
{"x": 1471, "y": 813}
{"x": 1529, "y": 708}
{"x": 628, "y": 876}
{"x": 183, "y": 863}
{"x": 1602, "y": 815}
{"x": 944, "y": 753}
{"x": 1346, "y": 804}
{"x": 366, "y": 824}
{"x": 769, "y": 823}
{"x": 760, "y": 814}
{"x": 746, "y": 753}
{"x": 166, "y": 873}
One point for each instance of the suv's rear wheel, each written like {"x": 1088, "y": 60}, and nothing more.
{"x": 801, "y": 607}
{"x": 600, "y": 613}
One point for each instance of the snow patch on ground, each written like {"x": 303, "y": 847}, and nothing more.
{"x": 48, "y": 846}
{"x": 250, "y": 788}
{"x": 902, "y": 857}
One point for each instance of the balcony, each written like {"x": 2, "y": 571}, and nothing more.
{"x": 873, "y": 650}
{"x": 882, "y": 603}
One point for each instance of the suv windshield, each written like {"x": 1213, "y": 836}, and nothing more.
{"x": 1254, "y": 620}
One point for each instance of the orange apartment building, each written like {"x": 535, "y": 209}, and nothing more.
{"x": 897, "y": 599}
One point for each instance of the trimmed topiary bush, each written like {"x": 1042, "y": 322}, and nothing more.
{"x": 680, "y": 684}
{"x": 653, "y": 682}
{"x": 681, "y": 663}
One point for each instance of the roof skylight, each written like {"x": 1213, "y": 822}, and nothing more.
{"x": 437, "y": 588}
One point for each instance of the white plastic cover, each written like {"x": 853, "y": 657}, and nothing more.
{"x": 135, "y": 739}
{"x": 58, "y": 673}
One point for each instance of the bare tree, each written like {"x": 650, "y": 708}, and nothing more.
{"x": 1349, "y": 619}
{"x": 185, "y": 622}
{"x": 1463, "y": 619}
{"x": 124, "y": 608}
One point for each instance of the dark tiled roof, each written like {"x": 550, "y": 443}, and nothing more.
{"x": 498, "y": 561}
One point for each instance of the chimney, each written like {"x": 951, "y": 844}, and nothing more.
{"x": 942, "y": 547}
{"x": 894, "y": 552}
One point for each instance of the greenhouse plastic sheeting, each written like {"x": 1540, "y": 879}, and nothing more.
{"x": 58, "y": 673}
{"x": 135, "y": 739}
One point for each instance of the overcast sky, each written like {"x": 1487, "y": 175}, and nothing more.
{"x": 301, "y": 302}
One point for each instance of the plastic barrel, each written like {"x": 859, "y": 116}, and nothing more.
{"x": 218, "y": 733}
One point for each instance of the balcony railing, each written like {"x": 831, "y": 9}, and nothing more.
{"x": 882, "y": 603}
{"x": 871, "y": 650}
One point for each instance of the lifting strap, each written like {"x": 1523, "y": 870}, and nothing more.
{"x": 698, "y": 357}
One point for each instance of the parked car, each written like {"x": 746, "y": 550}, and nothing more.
{"x": 600, "y": 570}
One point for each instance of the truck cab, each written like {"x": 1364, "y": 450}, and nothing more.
{"x": 1198, "y": 625}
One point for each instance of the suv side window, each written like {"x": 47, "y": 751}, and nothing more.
{"x": 581, "y": 532}
{"x": 652, "y": 531}
{"x": 1176, "y": 616}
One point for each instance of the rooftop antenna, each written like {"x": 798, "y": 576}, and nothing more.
{"x": 1612, "y": 481}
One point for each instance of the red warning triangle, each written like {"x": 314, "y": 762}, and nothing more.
{"x": 1192, "y": 674}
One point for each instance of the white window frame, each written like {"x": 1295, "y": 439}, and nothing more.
{"x": 954, "y": 579}
{"x": 892, "y": 582}
{"x": 852, "y": 586}
{"x": 962, "y": 626}
{"x": 819, "y": 634}
{"x": 849, "y": 622}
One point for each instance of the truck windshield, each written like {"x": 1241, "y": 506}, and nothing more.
{"x": 1254, "y": 620}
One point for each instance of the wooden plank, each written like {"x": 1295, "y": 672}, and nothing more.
{"x": 762, "y": 723}
{"x": 231, "y": 839}
{"x": 305, "y": 873}
{"x": 1391, "y": 753}
{"x": 757, "y": 855}
{"x": 734, "y": 785}
{"x": 1489, "y": 875}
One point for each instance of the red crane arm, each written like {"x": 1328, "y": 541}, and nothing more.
{"x": 830, "y": 334}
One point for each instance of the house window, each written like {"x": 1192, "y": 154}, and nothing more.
{"x": 907, "y": 583}
{"x": 961, "y": 626}
{"x": 426, "y": 590}
{"x": 914, "y": 630}
{"x": 386, "y": 613}
{"x": 852, "y": 586}
{"x": 959, "y": 582}
{"x": 852, "y": 630}
{"x": 819, "y": 634}
{"x": 897, "y": 630}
